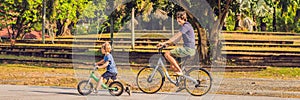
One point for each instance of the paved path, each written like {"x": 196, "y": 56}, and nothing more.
{"x": 13, "y": 92}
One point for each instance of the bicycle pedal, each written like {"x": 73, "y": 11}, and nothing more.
{"x": 180, "y": 89}
{"x": 127, "y": 89}
{"x": 174, "y": 75}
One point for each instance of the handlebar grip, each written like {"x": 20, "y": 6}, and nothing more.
{"x": 95, "y": 67}
{"x": 162, "y": 47}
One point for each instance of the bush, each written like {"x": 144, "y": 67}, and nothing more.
{"x": 37, "y": 26}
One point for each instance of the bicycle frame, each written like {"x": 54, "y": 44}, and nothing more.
{"x": 93, "y": 76}
{"x": 165, "y": 71}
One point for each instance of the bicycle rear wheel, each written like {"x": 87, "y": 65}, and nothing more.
{"x": 204, "y": 82}
{"x": 116, "y": 88}
{"x": 147, "y": 84}
{"x": 85, "y": 87}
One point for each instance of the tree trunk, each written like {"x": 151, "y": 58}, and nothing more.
{"x": 51, "y": 27}
{"x": 63, "y": 28}
{"x": 297, "y": 17}
{"x": 263, "y": 25}
{"x": 202, "y": 46}
{"x": 59, "y": 27}
{"x": 214, "y": 42}
{"x": 274, "y": 20}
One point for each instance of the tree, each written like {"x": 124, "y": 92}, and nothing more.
{"x": 221, "y": 9}
{"x": 68, "y": 12}
{"x": 94, "y": 13}
{"x": 285, "y": 12}
{"x": 20, "y": 15}
{"x": 209, "y": 50}
{"x": 288, "y": 17}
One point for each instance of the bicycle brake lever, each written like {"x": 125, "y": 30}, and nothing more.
{"x": 95, "y": 67}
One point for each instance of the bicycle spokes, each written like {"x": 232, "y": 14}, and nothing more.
{"x": 149, "y": 81}
{"x": 202, "y": 84}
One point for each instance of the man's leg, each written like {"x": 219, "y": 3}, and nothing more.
{"x": 173, "y": 63}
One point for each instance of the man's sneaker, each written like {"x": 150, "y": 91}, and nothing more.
{"x": 127, "y": 89}
{"x": 179, "y": 73}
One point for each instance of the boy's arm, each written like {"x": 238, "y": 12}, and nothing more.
{"x": 100, "y": 62}
{"x": 104, "y": 65}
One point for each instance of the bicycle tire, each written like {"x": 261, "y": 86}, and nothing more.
{"x": 145, "y": 77}
{"x": 205, "y": 81}
{"x": 84, "y": 91}
{"x": 118, "y": 91}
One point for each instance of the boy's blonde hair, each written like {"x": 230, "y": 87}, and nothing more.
{"x": 106, "y": 46}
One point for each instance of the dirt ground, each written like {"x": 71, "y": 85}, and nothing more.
{"x": 223, "y": 84}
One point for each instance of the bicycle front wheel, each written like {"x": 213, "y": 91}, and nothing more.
{"x": 203, "y": 84}
{"x": 85, "y": 87}
{"x": 149, "y": 83}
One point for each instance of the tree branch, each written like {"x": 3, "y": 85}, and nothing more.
{"x": 223, "y": 16}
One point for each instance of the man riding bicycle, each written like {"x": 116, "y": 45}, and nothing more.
{"x": 187, "y": 33}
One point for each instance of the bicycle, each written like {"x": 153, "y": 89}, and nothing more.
{"x": 197, "y": 81}
{"x": 85, "y": 87}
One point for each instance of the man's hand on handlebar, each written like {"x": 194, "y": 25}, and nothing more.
{"x": 161, "y": 45}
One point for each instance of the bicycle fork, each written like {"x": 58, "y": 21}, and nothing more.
{"x": 92, "y": 76}
{"x": 155, "y": 70}
{"x": 197, "y": 82}
{"x": 152, "y": 74}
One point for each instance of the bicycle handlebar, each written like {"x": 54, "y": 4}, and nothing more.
{"x": 95, "y": 67}
{"x": 161, "y": 48}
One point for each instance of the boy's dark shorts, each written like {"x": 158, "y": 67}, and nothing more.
{"x": 108, "y": 75}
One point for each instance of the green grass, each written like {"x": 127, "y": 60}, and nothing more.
{"x": 261, "y": 37}
{"x": 43, "y": 76}
{"x": 20, "y": 74}
{"x": 285, "y": 49}
{"x": 20, "y": 58}
{"x": 269, "y": 73}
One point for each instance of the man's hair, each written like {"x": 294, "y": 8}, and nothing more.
{"x": 106, "y": 46}
{"x": 181, "y": 15}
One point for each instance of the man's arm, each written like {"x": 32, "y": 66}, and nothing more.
{"x": 174, "y": 38}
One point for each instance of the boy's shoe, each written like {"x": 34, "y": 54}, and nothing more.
{"x": 127, "y": 89}
{"x": 95, "y": 91}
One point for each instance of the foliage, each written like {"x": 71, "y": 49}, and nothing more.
{"x": 92, "y": 16}
{"x": 230, "y": 21}
{"x": 20, "y": 15}
{"x": 161, "y": 9}
{"x": 286, "y": 20}
{"x": 24, "y": 15}
{"x": 67, "y": 15}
